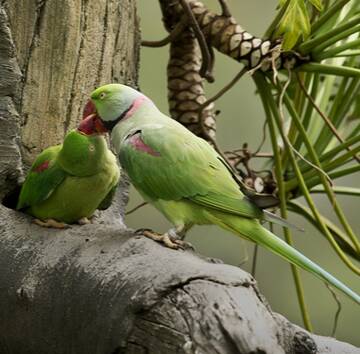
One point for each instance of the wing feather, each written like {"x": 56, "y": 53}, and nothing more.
{"x": 184, "y": 166}
{"x": 43, "y": 178}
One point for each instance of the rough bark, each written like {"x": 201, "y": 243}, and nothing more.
{"x": 100, "y": 289}
{"x": 53, "y": 53}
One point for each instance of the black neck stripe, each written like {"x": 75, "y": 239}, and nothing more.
{"x": 110, "y": 124}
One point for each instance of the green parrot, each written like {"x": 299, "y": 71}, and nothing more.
{"x": 68, "y": 182}
{"x": 184, "y": 177}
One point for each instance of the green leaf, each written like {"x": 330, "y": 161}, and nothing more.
{"x": 355, "y": 192}
{"x": 338, "y": 234}
{"x": 348, "y": 53}
{"x": 330, "y": 16}
{"x": 330, "y": 69}
{"x": 355, "y": 114}
{"x": 294, "y": 24}
{"x": 318, "y": 4}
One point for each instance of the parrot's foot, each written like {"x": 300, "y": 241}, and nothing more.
{"x": 178, "y": 234}
{"x": 51, "y": 223}
{"x": 84, "y": 221}
{"x": 165, "y": 238}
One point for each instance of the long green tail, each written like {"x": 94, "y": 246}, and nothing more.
{"x": 252, "y": 230}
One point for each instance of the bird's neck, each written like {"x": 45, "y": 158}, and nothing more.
{"x": 142, "y": 112}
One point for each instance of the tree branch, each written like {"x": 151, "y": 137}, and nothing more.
{"x": 101, "y": 289}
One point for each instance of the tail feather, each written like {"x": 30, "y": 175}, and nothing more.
{"x": 279, "y": 220}
{"x": 252, "y": 230}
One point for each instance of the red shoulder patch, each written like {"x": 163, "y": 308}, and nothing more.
{"x": 88, "y": 109}
{"x": 42, "y": 167}
{"x": 136, "y": 141}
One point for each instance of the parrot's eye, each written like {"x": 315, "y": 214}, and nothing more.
{"x": 102, "y": 95}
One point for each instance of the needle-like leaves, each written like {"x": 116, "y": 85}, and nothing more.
{"x": 338, "y": 234}
{"x": 294, "y": 23}
{"x": 313, "y": 114}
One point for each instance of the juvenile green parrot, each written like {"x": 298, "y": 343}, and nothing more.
{"x": 183, "y": 176}
{"x": 68, "y": 182}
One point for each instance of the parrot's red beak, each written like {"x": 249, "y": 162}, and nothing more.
{"x": 88, "y": 109}
{"x": 91, "y": 123}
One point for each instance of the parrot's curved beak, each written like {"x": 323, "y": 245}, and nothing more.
{"x": 88, "y": 109}
{"x": 91, "y": 123}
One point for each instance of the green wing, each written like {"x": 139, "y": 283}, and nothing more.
{"x": 44, "y": 176}
{"x": 171, "y": 163}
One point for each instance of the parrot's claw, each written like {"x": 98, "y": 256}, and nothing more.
{"x": 178, "y": 234}
{"x": 84, "y": 221}
{"x": 141, "y": 231}
{"x": 51, "y": 223}
{"x": 164, "y": 238}
{"x": 185, "y": 245}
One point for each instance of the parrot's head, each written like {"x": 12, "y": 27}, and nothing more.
{"x": 112, "y": 103}
{"x": 83, "y": 154}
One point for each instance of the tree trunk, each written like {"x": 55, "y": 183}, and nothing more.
{"x": 100, "y": 288}
{"x": 53, "y": 53}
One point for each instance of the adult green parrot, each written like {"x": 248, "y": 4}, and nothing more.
{"x": 183, "y": 176}
{"x": 68, "y": 182}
